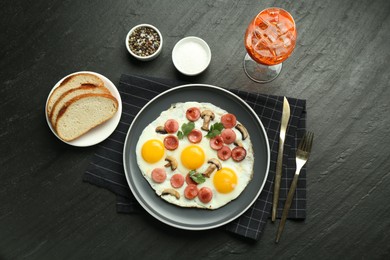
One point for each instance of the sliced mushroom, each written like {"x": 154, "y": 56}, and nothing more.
{"x": 161, "y": 130}
{"x": 170, "y": 191}
{"x": 171, "y": 163}
{"x": 207, "y": 116}
{"x": 243, "y": 131}
{"x": 238, "y": 143}
{"x": 214, "y": 164}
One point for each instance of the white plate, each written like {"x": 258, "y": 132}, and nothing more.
{"x": 101, "y": 132}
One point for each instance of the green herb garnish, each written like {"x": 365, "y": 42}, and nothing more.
{"x": 197, "y": 177}
{"x": 215, "y": 130}
{"x": 186, "y": 128}
{"x": 180, "y": 135}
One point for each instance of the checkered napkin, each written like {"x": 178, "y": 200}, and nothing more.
{"x": 106, "y": 167}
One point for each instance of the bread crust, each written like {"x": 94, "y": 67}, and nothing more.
{"x": 89, "y": 79}
{"x": 64, "y": 108}
{"x": 84, "y": 87}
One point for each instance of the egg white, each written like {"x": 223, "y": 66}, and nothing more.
{"x": 243, "y": 169}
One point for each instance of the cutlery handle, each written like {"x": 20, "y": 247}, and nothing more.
{"x": 287, "y": 204}
{"x": 278, "y": 177}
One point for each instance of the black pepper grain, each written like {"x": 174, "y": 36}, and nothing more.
{"x": 144, "y": 41}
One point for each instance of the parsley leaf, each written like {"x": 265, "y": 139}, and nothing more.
{"x": 215, "y": 130}
{"x": 180, "y": 135}
{"x": 186, "y": 128}
{"x": 197, "y": 177}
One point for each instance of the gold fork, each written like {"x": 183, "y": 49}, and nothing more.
{"x": 302, "y": 156}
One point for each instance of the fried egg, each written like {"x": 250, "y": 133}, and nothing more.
{"x": 225, "y": 183}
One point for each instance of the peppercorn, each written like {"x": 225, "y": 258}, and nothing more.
{"x": 144, "y": 41}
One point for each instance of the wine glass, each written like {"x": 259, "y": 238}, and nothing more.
{"x": 269, "y": 40}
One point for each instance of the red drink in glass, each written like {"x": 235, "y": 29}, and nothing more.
{"x": 269, "y": 40}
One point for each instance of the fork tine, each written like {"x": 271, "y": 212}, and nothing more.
{"x": 310, "y": 141}
{"x": 303, "y": 142}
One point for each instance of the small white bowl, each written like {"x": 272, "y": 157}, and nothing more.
{"x": 149, "y": 57}
{"x": 191, "y": 55}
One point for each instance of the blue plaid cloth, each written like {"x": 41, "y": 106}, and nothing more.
{"x": 106, "y": 167}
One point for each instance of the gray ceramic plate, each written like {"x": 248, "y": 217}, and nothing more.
{"x": 191, "y": 218}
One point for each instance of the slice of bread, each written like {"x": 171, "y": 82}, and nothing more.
{"x": 84, "y": 112}
{"x": 71, "y": 82}
{"x": 68, "y": 95}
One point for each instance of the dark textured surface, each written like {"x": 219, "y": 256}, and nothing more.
{"x": 340, "y": 65}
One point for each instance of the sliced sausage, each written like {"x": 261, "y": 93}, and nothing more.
{"x": 228, "y": 120}
{"x": 228, "y": 136}
{"x": 205, "y": 194}
{"x": 159, "y": 175}
{"x": 224, "y": 153}
{"x": 195, "y": 136}
{"x": 189, "y": 180}
{"x": 171, "y": 142}
{"x": 238, "y": 153}
{"x": 177, "y": 180}
{"x": 171, "y": 126}
{"x": 193, "y": 114}
{"x": 191, "y": 191}
{"x": 216, "y": 143}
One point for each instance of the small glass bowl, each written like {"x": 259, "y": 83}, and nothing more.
{"x": 137, "y": 56}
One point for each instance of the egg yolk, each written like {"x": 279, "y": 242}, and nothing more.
{"x": 192, "y": 157}
{"x": 225, "y": 180}
{"x": 152, "y": 151}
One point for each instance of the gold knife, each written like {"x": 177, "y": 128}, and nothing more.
{"x": 279, "y": 162}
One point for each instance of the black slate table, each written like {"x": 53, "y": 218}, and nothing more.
{"x": 340, "y": 66}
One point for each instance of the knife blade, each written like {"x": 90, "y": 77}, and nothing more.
{"x": 279, "y": 162}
